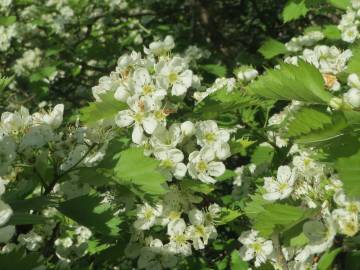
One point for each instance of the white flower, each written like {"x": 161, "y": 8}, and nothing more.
{"x": 307, "y": 166}
{"x": 83, "y": 234}
{"x": 6, "y": 233}
{"x": 160, "y": 47}
{"x": 187, "y": 128}
{"x": 198, "y": 232}
{"x": 143, "y": 84}
{"x": 350, "y": 34}
{"x": 146, "y": 216}
{"x": 346, "y": 222}
{"x": 355, "y": 4}
{"x": 172, "y": 160}
{"x": 353, "y": 81}
{"x": 203, "y": 167}
{"x": 282, "y": 187}
{"x": 353, "y": 97}
{"x": 52, "y": 119}
{"x": 255, "y": 247}
{"x": 7, "y": 153}
{"x": 31, "y": 240}
{"x": 17, "y": 121}
{"x": 179, "y": 240}
{"x": 175, "y": 75}
{"x": 321, "y": 238}
{"x": 5, "y": 212}
{"x": 156, "y": 256}
{"x": 164, "y": 138}
{"x": 139, "y": 116}
{"x": 208, "y": 134}
{"x": 247, "y": 74}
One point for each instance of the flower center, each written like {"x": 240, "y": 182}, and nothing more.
{"x": 210, "y": 137}
{"x": 148, "y": 89}
{"x": 256, "y": 246}
{"x": 148, "y": 214}
{"x": 173, "y": 77}
{"x": 283, "y": 186}
{"x": 202, "y": 166}
{"x": 167, "y": 163}
{"x": 138, "y": 117}
{"x": 180, "y": 239}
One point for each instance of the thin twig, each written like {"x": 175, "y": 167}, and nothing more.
{"x": 280, "y": 258}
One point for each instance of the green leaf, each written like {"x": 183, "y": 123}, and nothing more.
{"x": 196, "y": 186}
{"x": 294, "y": 10}
{"x": 19, "y": 218}
{"x": 105, "y": 109}
{"x": 218, "y": 105}
{"x": 36, "y": 203}
{"x": 279, "y": 217}
{"x": 228, "y": 174}
{"x": 227, "y": 215}
{"x": 90, "y": 211}
{"x": 4, "y": 82}
{"x": 328, "y": 258}
{"x": 45, "y": 72}
{"x": 289, "y": 82}
{"x": 349, "y": 171}
{"x": 237, "y": 263}
{"x": 263, "y": 154}
{"x": 135, "y": 168}
{"x": 354, "y": 62}
{"x": 20, "y": 259}
{"x": 255, "y": 206}
{"x": 299, "y": 241}
{"x": 6, "y": 21}
{"x": 217, "y": 70}
{"x": 307, "y": 119}
{"x": 341, "y": 4}
{"x": 271, "y": 48}
{"x": 332, "y": 32}
{"x": 315, "y": 125}
{"x": 240, "y": 146}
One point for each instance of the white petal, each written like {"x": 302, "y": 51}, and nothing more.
{"x": 180, "y": 170}
{"x": 273, "y": 196}
{"x": 178, "y": 89}
{"x": 124, "y": 118}
{"x": 207, "y": 154}
{"x": 283, "y": 174}
{"x": 206, "y": 178}
{"x": 216, "y": 168}
{"x": 141, "y": 76}
{"x": 5, "y": 212}
{"x": 137, "y": 134}
{"x": 121, "y": 94}
{"x": 176, "y": 155}
{"x": 186, "y": 78}
{"x": 149, "y": 124}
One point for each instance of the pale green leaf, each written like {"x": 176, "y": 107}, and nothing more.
{"x": 217, "y": 70}
{"x": 279, "y": 217}
{"x": 141, "y": 171}
{"x": 103, "y": 110}
{"x": 341, "y": 4}
{"x": 271, "y": 48}
{"x": 349, "y": 172}
{"x": 90, "y": 211}
{"x": 303, "y": 82}
{"x": 294, "y": 10}
{"x": 328, "y": 258}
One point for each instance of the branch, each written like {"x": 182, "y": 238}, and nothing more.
{"x": 49, "y": 188}
{"x": 280, "y": 258}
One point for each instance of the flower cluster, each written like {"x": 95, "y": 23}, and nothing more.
{"x": 349, "y": 23}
